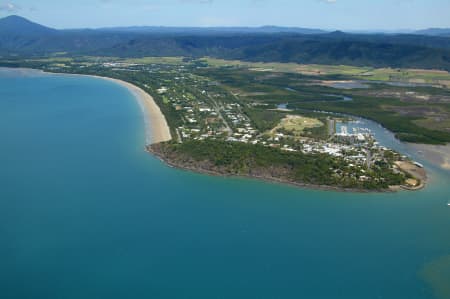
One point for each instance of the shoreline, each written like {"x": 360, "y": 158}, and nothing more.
{"x": 156, "y": 127}
{"x": 438, "y": 155}
{"x": 419, "y": 174}
{"x": 273, "y": 180}
{"x": 158, "y": 131}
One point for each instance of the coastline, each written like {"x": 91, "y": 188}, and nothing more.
{"x": 419, "y": 175}
{"x": 199, "y": 170}
{"x": 157, "y": 129}
{"x": 438, "y": 155}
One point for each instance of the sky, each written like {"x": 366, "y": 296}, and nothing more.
{"x": 324, "y": 14}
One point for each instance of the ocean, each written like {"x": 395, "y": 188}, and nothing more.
{"x": 85, "y": 212}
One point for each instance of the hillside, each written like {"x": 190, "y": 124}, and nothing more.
{"x": 20, "y": 37}
{"x": 212, "y": 30}
{"x": 18, "y": 26}
{"x": 435, "y": 32}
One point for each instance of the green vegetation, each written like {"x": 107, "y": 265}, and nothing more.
{"x": 297, "y": 125}
{"x": 415, "y": 114}
{"x": 404, "y": 126}
{"x": 351, "y": 72}
{"x": 390, "y": 106}
{"x": 154, "y": 60}
{"x": 270, "y": 163}
{"x": 264, "y": 120}
{"x": 273, "y": 125}
{"x": 24, "y": 39}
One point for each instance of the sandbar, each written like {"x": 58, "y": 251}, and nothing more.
{"x": 437, "y": 154}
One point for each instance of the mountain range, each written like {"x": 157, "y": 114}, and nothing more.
{"x": 15, "y": 25}
{"x": 434, "y": 32}
{"x": 212, "y": 30}
{"x": 20, "y": 37}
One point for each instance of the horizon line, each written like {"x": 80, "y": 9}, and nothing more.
{"x": 328, "y": 30}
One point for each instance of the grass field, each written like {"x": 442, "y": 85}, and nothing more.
{"x": 100, "y": 59}
{"x": 437, "y": 77}
{"x": 154, "y": 60}
{"x": 362, "y": 73}
{"x": 413, "y": 113}
{"x": 52, "y": 60}
{"x": 296, "y": 124}
{"x": 438, "y": 123}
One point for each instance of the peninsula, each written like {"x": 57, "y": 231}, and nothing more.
{"x": 196, "y": 121}
{"x": 276, "y": 119}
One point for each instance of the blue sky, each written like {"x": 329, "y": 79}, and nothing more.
{"x": 325, "y": 14}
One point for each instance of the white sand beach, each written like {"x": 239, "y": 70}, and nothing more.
{"x": 157, "y": 128}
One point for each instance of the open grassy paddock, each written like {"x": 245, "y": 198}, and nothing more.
{"x": 363, "y": 73}
{"x": 296, "y": 124}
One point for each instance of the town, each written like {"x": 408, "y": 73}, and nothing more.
{"x": 199, "y": 108}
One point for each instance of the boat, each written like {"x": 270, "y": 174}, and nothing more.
{"x": 418, "y": 164}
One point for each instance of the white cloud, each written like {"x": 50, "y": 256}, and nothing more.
{"x": 9, "y": 7}
{"x": 329, "y": 1}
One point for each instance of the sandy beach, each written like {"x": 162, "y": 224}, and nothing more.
{"x": 157, "y": 129}
{"x": 436, "y": 154}
{"x": 156, "y": 125}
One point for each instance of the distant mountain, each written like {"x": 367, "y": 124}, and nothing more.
{"x": 382, "y": 31}
{"x": 18, "y": 26}
{"x": 434, "y": 32}
{"x": 22, "y": 38}
{"x": 211, "y": 30}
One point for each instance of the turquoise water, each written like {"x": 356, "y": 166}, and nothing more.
{"x": 86, "y": 213}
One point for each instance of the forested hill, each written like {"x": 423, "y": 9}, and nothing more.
{"x": 17, "y": 26}
{"x": 435, "y": 32}
{"x": 20, "y": 37}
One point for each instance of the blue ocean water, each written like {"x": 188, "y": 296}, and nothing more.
{"x": 85, "y": 212}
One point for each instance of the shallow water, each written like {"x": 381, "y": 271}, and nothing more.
{"x": 86, "y": 213}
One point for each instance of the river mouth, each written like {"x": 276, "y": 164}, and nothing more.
{"x": 430, "y": 155}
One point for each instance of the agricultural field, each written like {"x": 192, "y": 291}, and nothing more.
{"x": 415, "y": 76}
{"x": 435, "y": 77}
